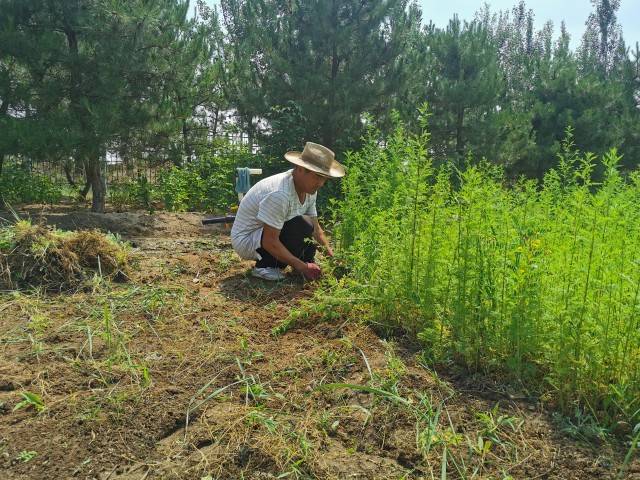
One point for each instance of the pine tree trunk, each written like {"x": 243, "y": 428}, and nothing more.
{"x": 185, "y": 141}
{"x": 459, "y": 139}
{"x": 98, "y": 187}
{"x": 329, "y": 137}
{"x": 216, "y": 113}
{"x": 67, "y": 173}
{"x": 82, "y": 194}
{"x": 4, "y": 108}
{"x": 251, "y": 131}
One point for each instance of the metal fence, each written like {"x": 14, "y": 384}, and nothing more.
{"x": 116, "y": 169}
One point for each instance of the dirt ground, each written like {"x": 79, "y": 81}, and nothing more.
{"x": 178, "y": 374}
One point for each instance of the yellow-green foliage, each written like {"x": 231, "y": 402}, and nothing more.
{"x": 540, "y": 282}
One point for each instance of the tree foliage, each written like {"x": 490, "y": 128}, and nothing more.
{"x": 147, "y": 79}
{"x": 83, "y": 77}
{"x": 314, "y": 67}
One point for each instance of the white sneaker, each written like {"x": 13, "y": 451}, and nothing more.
{"x": 268, "y": 273}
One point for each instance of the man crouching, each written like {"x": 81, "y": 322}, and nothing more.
{"x": 277, "y": 217}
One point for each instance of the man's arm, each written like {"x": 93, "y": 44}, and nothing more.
{"x": 272, "y": 244}
{"x": 320, "y": 237}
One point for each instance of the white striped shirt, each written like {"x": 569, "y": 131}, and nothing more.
{"x": 271, "y": 201}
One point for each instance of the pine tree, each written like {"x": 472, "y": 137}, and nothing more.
{"x": 96, "y": 72}
{"x": 322, "y": 64}
{"x": 462, "y": 84}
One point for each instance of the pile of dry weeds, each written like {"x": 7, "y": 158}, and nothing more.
{"x": 38, "y": 256}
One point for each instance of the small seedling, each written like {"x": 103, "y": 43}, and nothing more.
{"x": 256, "y": 392}
{"x": 481, "y": 446}
{"x": 208, "y": 328}
{"x": 144, "y": 373}
{"x": 30, "y": 400}
{"x": 38, "y": 323}
{"x": 248, "y": 355}
{"x": 26, "y": 455}
{"x": 492, "y": 424}
{"x": 255, "y": 417}
{"x": 329, "y": 358}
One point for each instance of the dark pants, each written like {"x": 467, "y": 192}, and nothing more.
{"x": 296, "y": 237}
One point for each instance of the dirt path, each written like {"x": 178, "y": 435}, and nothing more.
{"x": 177, "y": 375}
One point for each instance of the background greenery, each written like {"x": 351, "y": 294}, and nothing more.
{"x": 145, "y": 79}
{"x": 19, "y": 185}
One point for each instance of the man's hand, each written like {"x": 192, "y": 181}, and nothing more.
{"x": 329, "y": 251}
{"x": 311, "y": 271}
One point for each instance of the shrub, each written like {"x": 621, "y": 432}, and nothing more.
{"x": 139, "y": 194}
{"x": 181, "y": 188}
{"x": 207, "y": 183}
{"x": 538, "y": 282}
{"x": 19, "y": 185}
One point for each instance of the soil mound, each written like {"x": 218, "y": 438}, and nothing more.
{"x": 131, "y": 224}
{"x": 39, "y": 256}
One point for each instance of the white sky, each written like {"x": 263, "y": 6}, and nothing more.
{"x": 573, "y": 12}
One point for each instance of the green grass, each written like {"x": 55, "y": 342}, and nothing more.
{"x": 30, "y": 399}
{"x": 536, "y": 283}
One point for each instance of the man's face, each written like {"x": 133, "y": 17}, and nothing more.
{"x": 310, "y": 182}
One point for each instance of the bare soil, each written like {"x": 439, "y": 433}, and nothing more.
{"x": 177, "y": 375}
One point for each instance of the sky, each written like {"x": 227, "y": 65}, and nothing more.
{"x": 573, "y": 12}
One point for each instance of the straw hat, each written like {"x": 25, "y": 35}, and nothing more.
{"x": 317, "y": 158}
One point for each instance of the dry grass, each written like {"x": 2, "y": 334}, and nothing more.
{"x": 38, "y": 256}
